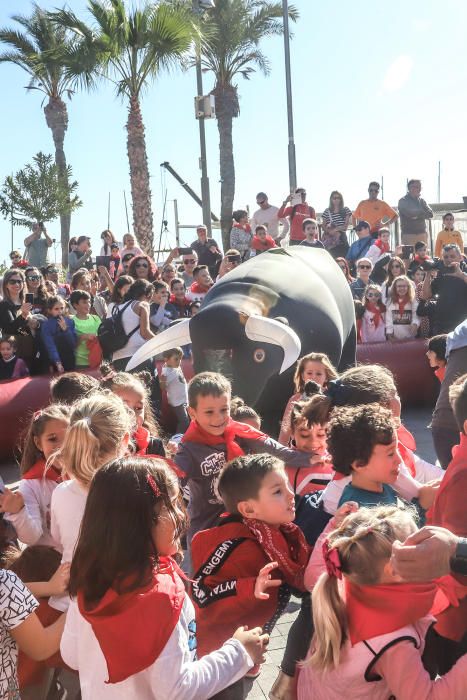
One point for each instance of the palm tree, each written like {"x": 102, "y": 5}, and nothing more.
{"x": 230, "y": 47}
{"x": 129, "y": 48}
{"x": 37, "y": 51}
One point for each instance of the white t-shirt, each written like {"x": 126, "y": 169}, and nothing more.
{"x": 177, "y": 392}
{"x": 67, "y": 510}
{"x": 175, "y": 675}
{"x": 16, "y": 604}
{"x": 268, "y": 217}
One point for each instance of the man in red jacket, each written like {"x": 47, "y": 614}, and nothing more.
{"x": 298, "y": 210}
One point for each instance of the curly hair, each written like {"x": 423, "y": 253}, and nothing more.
{"x": 153, "y": 272}
{"x": 354, "y": 432}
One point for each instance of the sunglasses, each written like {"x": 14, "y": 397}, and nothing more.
{"x": 15, "y": 257}
{"x": 189, "y": 262}
{"x": 373, "y": 189}
{"x": 142, "y": 265}
{"x": 364, "y": 267}
{"x": 373, "y": 294}
{"x": 33, "y": 278}
{"x": 15, "y": 281}
{"x": 52, "y": 272}
{"x": 260, "y": 201}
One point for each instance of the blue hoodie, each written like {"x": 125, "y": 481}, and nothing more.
{"x": 51, "y": 333}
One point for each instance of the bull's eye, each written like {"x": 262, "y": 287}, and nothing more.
{"x": 259, "y": 355}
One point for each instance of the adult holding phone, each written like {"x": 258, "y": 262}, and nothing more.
{"x": 82, "y": 256}
{"x": 15, "y": 314}
{"x": 37, "y": 247}
{"x": 296, "y": 208}
{"x": 450, "y": 288}
{"x": 207, "y": 250}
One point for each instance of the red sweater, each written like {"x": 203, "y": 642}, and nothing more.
{"x": 297, "y": 214}
{"x": 226, "y": 561}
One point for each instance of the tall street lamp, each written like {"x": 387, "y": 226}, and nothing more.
{"x": 204, "y": 108}
{"x": 288, "y": 86}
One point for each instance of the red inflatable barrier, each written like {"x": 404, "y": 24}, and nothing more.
{"x": 415, "y": 380}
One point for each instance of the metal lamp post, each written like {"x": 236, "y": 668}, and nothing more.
{"x": 199, "y": 6}
{"x": 288, "y": 86}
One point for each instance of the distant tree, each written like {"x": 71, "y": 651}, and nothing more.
{"x": 37, "y": 50}
{"x": 38, "y": 193}
{"x": 129, "y": 46}
{"x": 232, "y": 33}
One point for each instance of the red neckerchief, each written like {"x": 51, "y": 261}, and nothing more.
{"x": 133, "y": 628}
{"x": 420, "y": 260}
{"x": 244, "y": 227}
{"x": 406, "y": 445}
{"x": 198, "y": 288}
{"x": 258, "y": 244}
{"x": 458, "y": 462}
{"x": 177, "y": 302}
{"x": 141, "y": 437}
{"x": 384, "y": 608}
{"x": 376, "y": 311}
{"x": 384, "y": 247}
{"x": 402, "y": 303}
{"x": 232, "y": 431}
{"x": 286, "y": 545}
{"x": 39, "y": 471}
{"x": 440, "y": 373}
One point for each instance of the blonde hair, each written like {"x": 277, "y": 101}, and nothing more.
{"x": 364, "y": 543}
{"x": 410, "y": 294}
{"x": 331, "y": 372}
{"x": 97, "y": 427}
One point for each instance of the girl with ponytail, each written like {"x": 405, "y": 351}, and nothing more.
{"x": 370, "y": 627}
{"x": 99, "y": 431}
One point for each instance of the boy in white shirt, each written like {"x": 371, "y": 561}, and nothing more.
{"x": 173, "y": 381}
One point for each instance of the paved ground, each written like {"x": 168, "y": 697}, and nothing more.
{"x": 416, "y": 420}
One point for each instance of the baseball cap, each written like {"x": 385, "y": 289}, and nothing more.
{"x": 201, "y": 226}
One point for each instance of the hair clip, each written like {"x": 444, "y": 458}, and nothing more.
{"x": 154, "y": 486}
{"x": 332, "y": 560}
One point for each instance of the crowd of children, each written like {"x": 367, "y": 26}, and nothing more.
{"x": 211, "y": 536}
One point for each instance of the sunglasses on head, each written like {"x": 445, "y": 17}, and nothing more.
{"x": 33, "y": 278}
{"x": 15, "y": 281}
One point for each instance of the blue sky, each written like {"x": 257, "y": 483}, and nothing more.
{"x": 378, "y": 88}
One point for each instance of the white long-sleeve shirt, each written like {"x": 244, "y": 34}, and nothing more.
{"x": 268, "y": 217}
{"x": 67, "y": 510}
{"x": 175, "y": 675}
{"x": 32, "y": 523}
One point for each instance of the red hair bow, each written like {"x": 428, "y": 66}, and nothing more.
{"x": 332, "y": 560}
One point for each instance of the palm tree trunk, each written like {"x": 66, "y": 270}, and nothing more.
{"x": 56, "y": 116}
{"x": 139, "y": 178}
{"x": 226, "y": 110}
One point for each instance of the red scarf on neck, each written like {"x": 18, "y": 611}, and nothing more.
{"x": 384, "y": 608}
{"x": 286, "y": 545}
{"x": 198, "y": 288}
{"x": 402, "y": 304}
{"x": 39, "y": 471}
{"x": 232, "y": 431}
{"x": 177, "y": 302}
{"x": 440, "y": 373}
{"x": 132, "y": 629}
{"x": 258, "y": 244}
{"x": 376, "y": 311}
{"x": 384, "y": 247}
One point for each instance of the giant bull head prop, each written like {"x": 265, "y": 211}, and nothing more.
{"x": 258, "y": 319}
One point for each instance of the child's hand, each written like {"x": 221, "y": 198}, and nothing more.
{"x": 264, "y": 581}
{"x": 254, "y": 642}
{"x": 11, "y": 502}
{"x": 58, "y": 583}
{"x": 171, "y": 448}
{"x": 344, "y": 511}
{"x": 428, "y": 493}
{"x": 62, "y": 323}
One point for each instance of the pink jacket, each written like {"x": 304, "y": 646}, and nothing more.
{"x": 386, "y": 666}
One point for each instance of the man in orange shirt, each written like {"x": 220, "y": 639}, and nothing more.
{"x": 377, "y": 212}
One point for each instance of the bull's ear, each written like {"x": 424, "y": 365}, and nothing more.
{"x": 267, "y": 330}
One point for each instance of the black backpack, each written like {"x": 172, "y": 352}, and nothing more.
{"x": 111, "y": 334}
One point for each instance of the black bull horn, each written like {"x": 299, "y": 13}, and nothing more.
{"x": 260, "y": 317}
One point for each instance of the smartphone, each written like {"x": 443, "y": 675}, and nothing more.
{"x": 185, "y": 251}
{"x": 296, "y": 199}
{"x": 234, "y": 258}
{"x": 29, "y": 298}
{"x": 103, "y": 260}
